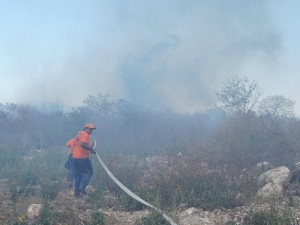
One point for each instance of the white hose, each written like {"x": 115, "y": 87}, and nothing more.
{"x": 128, "y": 191}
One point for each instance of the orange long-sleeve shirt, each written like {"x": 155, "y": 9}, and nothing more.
{"x": 79, "y": 152}
{"x": 71, "y": 144}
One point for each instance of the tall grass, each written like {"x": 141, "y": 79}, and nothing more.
{"x": 273, "y": 216}
{"x": 167, "y": 182}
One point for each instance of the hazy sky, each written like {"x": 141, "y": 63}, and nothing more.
{"x": 173, "y": 53}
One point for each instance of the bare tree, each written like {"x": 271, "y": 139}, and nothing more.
{"x": 277, "y": 106}
{"x": 239, "y": 95}
{"x": 99, "y": 103}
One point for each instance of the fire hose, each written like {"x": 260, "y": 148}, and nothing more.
{"x": 130, "y": 193}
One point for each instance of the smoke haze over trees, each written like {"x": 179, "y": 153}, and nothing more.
{"x": 202, "y": 159}
{"x": 236, "y": 129}
{"x": 121, "y": 127}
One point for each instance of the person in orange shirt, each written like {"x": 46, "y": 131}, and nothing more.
{"x": 70, "y": 163}
{"x": 83, "y": 169}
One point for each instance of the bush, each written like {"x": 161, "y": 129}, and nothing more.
{"x": 17, "y": 221}
{"x": 203, "y": 193}
{"x": 270, "y": 217}
{"x": 46, "y": 216}
{"x": 153, "y": 218}
{"x": 95, "y": 198}
{"x": 97, "y": 219}
{"x": 20, "y": 192}
{"x": 50, "y": 190}
{"x": 130, "y": 203}
{"x": 199, "y": 191}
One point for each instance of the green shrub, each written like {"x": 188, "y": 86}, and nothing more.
{"x": 97, "y": 218}
{"x": 130, "y": 203}
{"x": 15, "y": 221}
{"x": 46, "y": 216}
{"x": 230, "y": 223}
{"x": 201, "y": 192}
{"x": 195, "y": 192}
{"x": 163, "y": 192}
{"x": 66, "y": 216}
{"x": 49, "y": 190}
{"x": 270, "y": 217}
{"x": 20, "y": 192}
{"x": 96, "y": 199}
{"x": 153, "y": 218}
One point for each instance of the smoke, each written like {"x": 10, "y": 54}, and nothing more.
{"x": 194, "y": 48}
{"x": 170, "y": 53}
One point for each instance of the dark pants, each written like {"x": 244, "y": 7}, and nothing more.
{"x": 71, "y": 170}
{"x": 83, "y": 172}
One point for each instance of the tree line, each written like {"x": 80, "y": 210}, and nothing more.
{"x": 243, "y": 127}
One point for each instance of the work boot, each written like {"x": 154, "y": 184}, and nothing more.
{"x": 82, "y": 191}
{"x": 77, "y": 195}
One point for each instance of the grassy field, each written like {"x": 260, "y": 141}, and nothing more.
{"x": 166, "y": 181}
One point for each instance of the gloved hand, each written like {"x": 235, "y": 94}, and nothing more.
{"x": 93, "y": 146}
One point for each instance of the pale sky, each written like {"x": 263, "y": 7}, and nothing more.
{"x": 159, "y": 53}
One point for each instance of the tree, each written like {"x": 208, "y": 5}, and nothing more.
{"x": 277, "y": 106}
{"x": 99, "y": 104}
{"x": 239, "y": 95}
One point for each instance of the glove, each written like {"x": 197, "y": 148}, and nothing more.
{"x": 94, "y": 145}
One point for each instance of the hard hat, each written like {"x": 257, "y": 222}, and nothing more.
{"x": 89, "y": 125}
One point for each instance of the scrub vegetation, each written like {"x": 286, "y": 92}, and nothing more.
{"x": 170, "y": 160}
